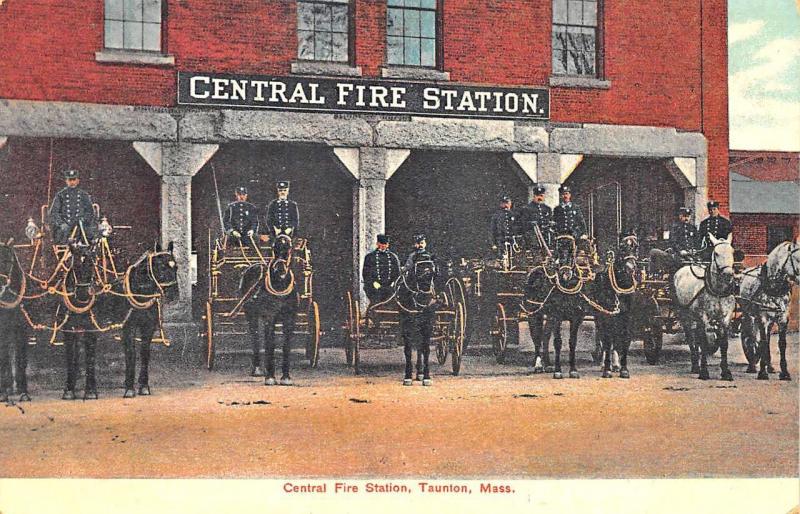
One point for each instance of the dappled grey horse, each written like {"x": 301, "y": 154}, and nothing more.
{"x": 764, "y": 294}
{"x": 704, "y": 298}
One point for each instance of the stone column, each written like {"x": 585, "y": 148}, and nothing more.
{"x": 371, "y": 167}
{"x": 176, "y": 164}
{"x": 549, "y": 175}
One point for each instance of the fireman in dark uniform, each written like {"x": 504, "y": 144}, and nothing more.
{"x": 420, "y": 252}
{"x": 683, "y": 244}
{"x": 715, "y": 225}
{"x": 283, "y": 217}
{"x": 536, "y": 214}
{"x": 567, "y": 217}
{"x": 381, "y": 269}
{"x": 241, "y": 218}
{"x": 72, "y": 207}
{"x": 502, "y": 226}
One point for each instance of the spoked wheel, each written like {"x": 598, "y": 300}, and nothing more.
{"x": 458, "y": 338}
{"x": 356, "y": 340}
{"x": 653, "y": 341}
{"x": 348, "y": 339}
{"x": 750, "y": 342}
{"x": 209, "y": 336}
{"x": 442, "y": 350}
{"x": 312, "y": 343}
{"x": 500, "y": 334}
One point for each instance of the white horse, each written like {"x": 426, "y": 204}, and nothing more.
{"x": 704, "y": 297}
{"x": 764, "y": 294}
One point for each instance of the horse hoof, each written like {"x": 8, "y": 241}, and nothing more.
{"x": 770, "y": 369}
{"x": 144, "y": 390}
{"x": 129, "y": 393}
{"x": 751, "y": 369}
{"x": 68, "y": 395}
{"x": 418, "y": 378}
{"x": 726, "y": 376}
{"x": 90, "y": 395}
{"x": 537, "y": 370}
{"x": 427, "y": 382}
{"x": 24, "y": 397}
{"x": 615, "y": 369}
{"x": 286, "y": 381}
{"x": 783, "y": 376}
{"x": 704, "y": 375}
{"x": 763, "y": 375}
{"x": 624, "y": 374}
{"x": 270, "y": 381}
{"x": 557, "y": 375}
{"x": 574, "y": 374}
{"x": 606, "y": 373}
{"x": 408, "y": 382}
{"x": 256, "y": 371}
{"x": 549, "y": 369}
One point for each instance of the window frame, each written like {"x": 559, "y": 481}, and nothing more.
{"x": 599, "y": 45}
{"x": 162, "y": 50}
{"x": 438, "y": 44}
{"x": 351, "y": 32}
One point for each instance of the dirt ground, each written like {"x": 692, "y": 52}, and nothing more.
{"x": 493, "y": 420}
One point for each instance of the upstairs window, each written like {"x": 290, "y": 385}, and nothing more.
{"x": 576, "y": 37}
{"x": 133, "y": 24}
{"x": 411, "y": 33}
{"x": 323, "y": 30}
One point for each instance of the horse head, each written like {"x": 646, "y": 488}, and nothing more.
{"x": 624, "y": 264}
{"x": 784, "y": 261}
{"x": 163, "y": 271}
{"x": 722, "y": 259}
{"x": 281, "y": 255}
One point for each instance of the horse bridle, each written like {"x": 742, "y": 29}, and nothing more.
{"x": 720, "y": 269}
{"x": 414, "y": 292}
{"x": 795, "y": 275}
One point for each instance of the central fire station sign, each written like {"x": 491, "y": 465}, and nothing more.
{"x": 362, "y": 96}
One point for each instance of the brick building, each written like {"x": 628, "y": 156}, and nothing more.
{"x": 764, "y": 200}
{"x": 462, "y": 100}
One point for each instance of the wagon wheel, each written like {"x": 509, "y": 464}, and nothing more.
{"x": 500, "y": 334}
{"x": 653, "y": 340}
{"x": 458, "y": 338}
{"x": 210, "y": 350}
{"x": 348, "y": 341}
{"x": 750, "y": 342}
{"x": 443, "y": 342}
{"x": 356, "y": 340}
{"x": 441, "y": 350}
{"x": 312, "y": 343}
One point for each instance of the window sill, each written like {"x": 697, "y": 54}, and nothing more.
{"x": 134, "y": 57}
{"x": 341, "y": 69}
{"x": 579, "y": 82}
{"x": 413, "y": 73}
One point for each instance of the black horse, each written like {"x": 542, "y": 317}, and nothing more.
{"x": 269, "y": 291}
{"x": 13, "y": 327}
{"x": 565, "y": 288}
{"x": 75, "y": 318}
{"x": 417, "y": 302}
{"x": 151, "y": 279}
{"x": 613, "y": 331}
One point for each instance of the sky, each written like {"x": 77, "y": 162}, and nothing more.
{"x": 764, "y": 74}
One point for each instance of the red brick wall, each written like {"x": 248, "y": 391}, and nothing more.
{"x": 750, "y": 230}
{"x": 652, "y": 56}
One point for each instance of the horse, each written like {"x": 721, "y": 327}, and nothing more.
{"x": 765, "y": 293}
{"x": 13, "y": 283}
{"x": 153, "y": 277}
{"x": 704, "y": 297}
{"x": 268, "y": 290}
{"x": 417, "y": 301}
{"x": 555, "y": 291}
{"x": 613, "y": 332}
{"x": 78, "y": 294}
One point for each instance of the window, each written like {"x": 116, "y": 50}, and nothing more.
{"x": 411, "y": 28}
{"x": 133, "y": 24}
{"x": 323, "y": 30}
{"x": 777, "y": 235}
{"x": 575, "y": 37}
